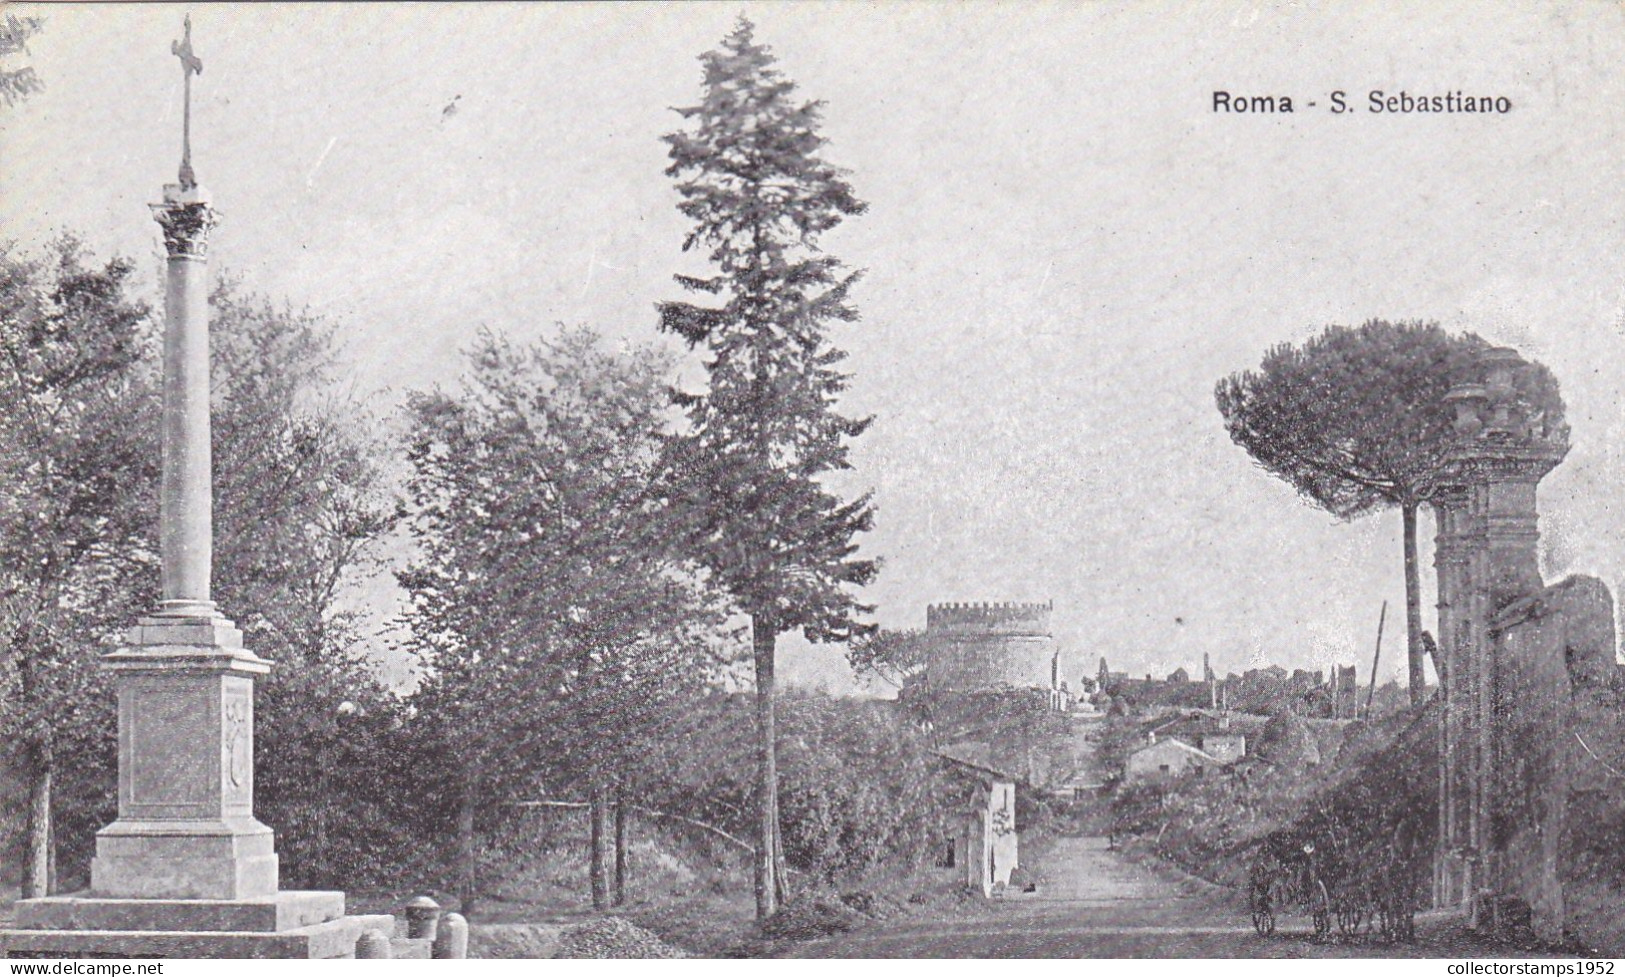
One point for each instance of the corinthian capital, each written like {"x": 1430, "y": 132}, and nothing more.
{"x": 187, "y": 217}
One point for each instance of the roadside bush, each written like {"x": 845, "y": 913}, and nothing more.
{"x": 859, "y": 787}
{"x": 809, "y": 919}
{"x": 859, "y": 784}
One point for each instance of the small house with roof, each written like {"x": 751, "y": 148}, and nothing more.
{"x": 1224, "y": 736}
{"x": 1168, "y": 758}
{"x": 988, "y": 842}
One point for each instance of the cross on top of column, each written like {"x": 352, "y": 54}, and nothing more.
{"x": 191, "y": 65}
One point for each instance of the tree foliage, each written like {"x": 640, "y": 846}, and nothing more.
{"x": 303, "y": 496}
{"x": 17, "y": 83}
{"x": 77, "y": 471}
{"x": 896, "y": 657}
{"x": 767, "y": 428}
{"x": 1356, "y": 420}
{"x": 551, "y": 609}
{"x": 303, "y": 509}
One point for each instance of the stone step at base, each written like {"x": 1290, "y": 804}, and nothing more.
{"x": 333, "y": 938}
{"x": 269, "y": 914}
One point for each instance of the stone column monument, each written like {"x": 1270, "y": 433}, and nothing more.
{"x": 186, "y": 827}
{"x": 186, "y": 870}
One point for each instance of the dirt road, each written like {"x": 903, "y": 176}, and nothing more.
{"x": 1095, "y": 903}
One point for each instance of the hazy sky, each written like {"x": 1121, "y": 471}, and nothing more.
{"x": 1066, "y": 249}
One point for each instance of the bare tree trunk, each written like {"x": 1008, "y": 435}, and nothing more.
{"x": 1413, "y": 606}
{"x": 37, "y": 871}
{"x": 600, "y": 859}
{"x": 324, "y": 794}
{"x": 764, "y": 636}
{"x": 781, "y": 877}
{"x": 51, "y": 886}
{"x": 467, "y": 853}
{"x": 621, "y": 827}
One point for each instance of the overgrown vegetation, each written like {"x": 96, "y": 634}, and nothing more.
{"x": 1214, "y": 827}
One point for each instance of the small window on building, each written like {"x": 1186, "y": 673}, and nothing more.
{"x": 1163, "y": 767}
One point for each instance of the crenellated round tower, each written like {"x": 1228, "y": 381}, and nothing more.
{"x": 985, "y": 645}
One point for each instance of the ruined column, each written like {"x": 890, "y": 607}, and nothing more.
{"x": 1450, "y": 561}
{"x": 1488, "y": 559}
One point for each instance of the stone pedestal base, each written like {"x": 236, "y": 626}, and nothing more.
{"x": 186, "y": 827}
{"x": 226, "y": 859}
{"x": 300, "y": 925}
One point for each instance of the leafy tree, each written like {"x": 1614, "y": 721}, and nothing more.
{"x": 898, "y": 658}
{"x": 766, "y": 432}
{"x": 77, "y": 472}
{"x": 302, "y": 509}
{"x": 17, "y": 84}
{"x": 550, "y": 607}
{"x": 1356, "y": 421}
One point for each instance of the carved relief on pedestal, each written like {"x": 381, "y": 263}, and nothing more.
{"x": 168, "y": 776}
{"x": 236, "y": 746}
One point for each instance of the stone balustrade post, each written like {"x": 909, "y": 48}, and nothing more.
{"x": 422, "y": 918}
{"x": 373, "y": 945}
{"x": 451, "y": 942}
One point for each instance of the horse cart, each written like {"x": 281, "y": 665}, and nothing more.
{"x": 1333, "y": 885}
{"x": 1284, "y": 881}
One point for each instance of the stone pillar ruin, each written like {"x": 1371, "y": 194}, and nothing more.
{"x": 1450, "y": 559}
{"x": 1504, "y": 690}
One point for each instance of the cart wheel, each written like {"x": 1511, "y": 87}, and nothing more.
{"x": 1350, "y": 918}
{"x": 1263, "y": 910}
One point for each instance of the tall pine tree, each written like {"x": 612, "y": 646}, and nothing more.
{"x": 1356, "y": 421}
{"x": 763, "y": 436}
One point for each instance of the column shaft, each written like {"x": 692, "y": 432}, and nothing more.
{"x": 186, "y": 499}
